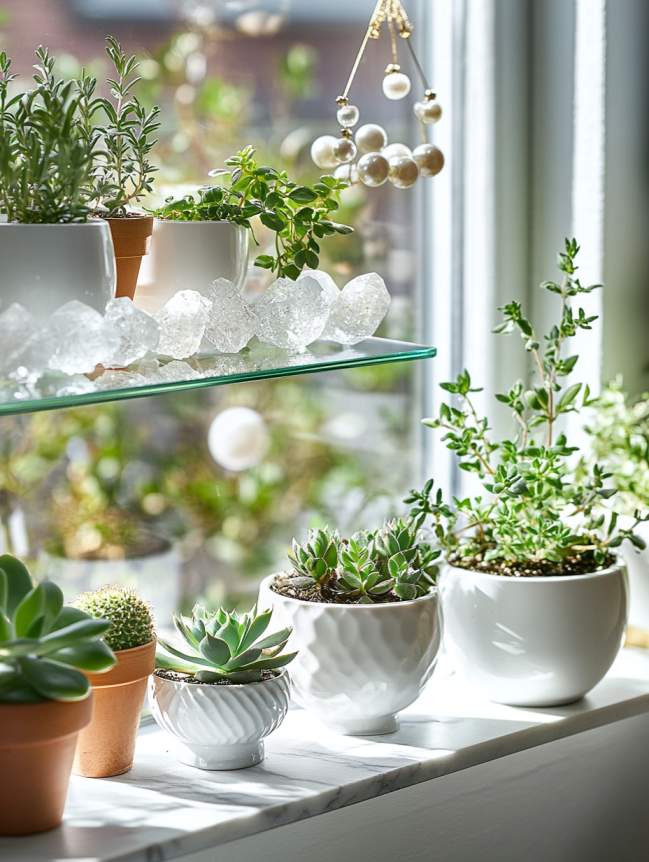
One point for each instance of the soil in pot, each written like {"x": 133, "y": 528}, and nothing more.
{"x": 322, "y": 595}
{"x": 107, "y": 746}
{"x": 36, "y": 752}
{"x": 174, "y": 676}
{"x": 131, "y": 240}
{"x": 584, "y": 564}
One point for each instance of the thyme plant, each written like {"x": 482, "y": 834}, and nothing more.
{"x": 535, "y": 514}
{"x": 298, "y": 215}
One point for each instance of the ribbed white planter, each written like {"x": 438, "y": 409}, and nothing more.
{"x": 46, "y": 265}
{"x": 219, "y": 726}
{"x": 358, "y": 665}
{"x": 191, "y": 255}
{"x": 533, "y": 641}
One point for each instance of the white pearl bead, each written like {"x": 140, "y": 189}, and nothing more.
{"x": 394, "y": 150}
{"x": 404, "y": 172}
{"x": 344, "y": 151}
{"x": 430, "y": 159}
{"x": 348, "y": 116}
{"x": 428, "y": 111}
{"x": 322, "y": 152}
{"x": 371, "y": 138}
{"x": 347, "y": 173}
{"x": 373, "y": 170}
{"x": 396, "y": 85}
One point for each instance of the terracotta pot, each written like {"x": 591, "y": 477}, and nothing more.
{"x": 131, "y": 238}
{"x": 106, "y": 747}
{"x": 36, "y": 751}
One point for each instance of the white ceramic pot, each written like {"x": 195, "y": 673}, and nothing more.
{"x": 219, "y": 726}
{"x": 533, "y": 641}
{"x": 156, "y": 577}
{"x": 191, "y": 255}
{"x": 46, "y": 265}
{"x": 637, "y": 563}
{"x": 358, "y": 665}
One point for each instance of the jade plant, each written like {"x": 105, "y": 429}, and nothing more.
{"x": 44, "y": 644}
{"x": 537, "y": 513}
{"x": 391, "y": 564}
{"x": 130, "y": 617}
{"x": 46, "y": 157}
{"x": 225, "y": 647}
{"x": 298, "y": 215}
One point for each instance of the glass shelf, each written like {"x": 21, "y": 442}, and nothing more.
{"x": 257, "y": 362}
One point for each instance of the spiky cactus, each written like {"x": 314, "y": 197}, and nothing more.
{"x": 129, "y": 615}
{"x": 315, "y": 562}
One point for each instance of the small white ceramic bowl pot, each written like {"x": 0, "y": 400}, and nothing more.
{"x": 219, "y": 726}
{"x": 543, "y": 641}
{"x": 358, "y": 665}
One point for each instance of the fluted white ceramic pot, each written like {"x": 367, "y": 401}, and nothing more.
{"x": 533, "y": 641}
{"x": 191, "y": 255}
{"x": 219, "y": 726}
{"x": 46, "y": 265}
{"x": 358, "y": 666}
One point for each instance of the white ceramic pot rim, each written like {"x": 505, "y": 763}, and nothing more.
{"x": 538, "y": 579}
{"x": 195, "y": 222}
{"x": 95, "y": 222}
{"x": 179, "y": 683}
{"x": 337, "y": 606}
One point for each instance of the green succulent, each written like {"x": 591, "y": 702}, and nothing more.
{"x": 44, "y": 644}
{"x": 315, "y": 562}
{"x": 131, "y": 621}
{"x": 225, "y": 646}
{"x": 358, "y": 574}
{"x": 400, "y": 556}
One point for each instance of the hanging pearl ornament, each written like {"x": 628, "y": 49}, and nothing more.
{"x": 322, "y": 152}
{"x": 345, "y": 151}
{"x": 379, "y": 161}
{"x": 396, "y": 84}
{"x": 348, "y": 116}
{"x": 404, "y": 172}
{"x": 394, "y": 150}
{"x": 373, "y": 169}
{"x": 371, "y": 138}
{"x": 430, "y": 159}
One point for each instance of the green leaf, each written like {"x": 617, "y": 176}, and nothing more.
{"x": 215, "y": 650}
{"x": 52, "y": 604}
{"x": 303, "y": 195}
{"x": 256, "y": 630}
{"x": 29, "y": 609}
{"x": 93, "y": 656}
{"x": 19, "y": 581}
{"x": 54, "y": 681}
{"x": 4, "y": 589}
{"x": 270, "y": 663}
{"x": 68, "y": 636}
{"x": 190, "y": 659}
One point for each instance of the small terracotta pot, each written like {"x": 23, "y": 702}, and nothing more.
{"x": 131, "y": 238}
{"x": 106, "y": 747}
{"x": 36, "y": 750}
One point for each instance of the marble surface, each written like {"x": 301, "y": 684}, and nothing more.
{"x": 162, "y": 810}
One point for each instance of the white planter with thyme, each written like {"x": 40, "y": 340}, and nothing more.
{"x": 368, "y": 626}
{"x": 534, "y": 596}
{"x": 223, "y": 689}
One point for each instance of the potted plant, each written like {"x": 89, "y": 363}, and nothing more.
{"x": 366, "y": 621}
{"x": 618, "y": 427}
{"x": 107, "y": 745}
{"x": 202, "y": 237}
{"x": 122, "y": 171}
{"x": 45, "y": 698}
{"x": 51, "y": 250}
{"x": 224, "y": 689}
{"x": 534, "y": 596}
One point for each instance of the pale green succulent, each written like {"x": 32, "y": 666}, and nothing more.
{"x": 315, "y": 562}
{"x": 358, "y": 574}
{"x": 131, "y": 621}
{"x": 402, "y": 557}
{"x": 225, "y": 646}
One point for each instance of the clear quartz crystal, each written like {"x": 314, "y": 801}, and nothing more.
{"x": 78, "y": 338}
{"x": 359, "y": 310}
{"x": 292, "y": 314}
{"x": 137, "y": 332}
{"x": 182, "y": 324}
{"x": 232, "y": 322}
{"x": 326, "y": 282}
{"x": 176, "y": 370}
{"x": 17, "y": 326}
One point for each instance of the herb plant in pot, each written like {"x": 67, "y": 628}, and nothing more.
{"x": 122, "y": 170}
{"x": 202, "y": 237}
{"x": 534, "y": 596}
{"x": 224, "y": 689}
{"x": 45, "y": 699}
{"x": 107, "y": 745}
{"x": 51, "y": 250}
{"x": 366, "y": 620}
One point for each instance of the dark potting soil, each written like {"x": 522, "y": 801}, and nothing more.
{"x": 323, "y": 595}
{"x": 584, "y": 564}
{"x": 174, "y": 676}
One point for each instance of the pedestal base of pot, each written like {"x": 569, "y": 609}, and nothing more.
{"x": 221, "y": 757}
{"x": 365, "y": 726}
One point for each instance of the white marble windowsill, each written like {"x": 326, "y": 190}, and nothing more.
{"x": 162, "y": 810}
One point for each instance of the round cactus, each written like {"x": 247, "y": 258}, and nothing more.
{"x": 129, "y": 615}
